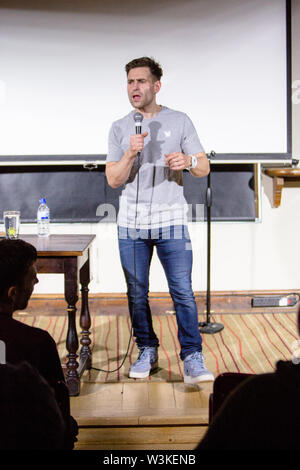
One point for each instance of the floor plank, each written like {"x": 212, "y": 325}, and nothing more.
{"x": 143, "y": 403}
{"x": 161, "y": 396}
{"x": 135, "y": 396}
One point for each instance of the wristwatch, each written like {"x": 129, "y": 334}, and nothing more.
{"x": 193, "y": 162}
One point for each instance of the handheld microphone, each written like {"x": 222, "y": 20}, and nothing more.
{"x": 138, "y": 117}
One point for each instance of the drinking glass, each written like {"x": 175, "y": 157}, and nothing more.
{"x": 11, "y": 223}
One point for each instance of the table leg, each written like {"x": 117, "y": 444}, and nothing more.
{"x": 278, "y": 184}
{"x": 71, "y": 287}
{"x": 85, "y": 319}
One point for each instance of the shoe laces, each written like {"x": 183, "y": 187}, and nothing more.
{"x": 197, "y": 355}
{"x": 144, "y": 353}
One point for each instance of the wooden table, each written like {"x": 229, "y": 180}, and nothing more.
{"x": 282, "y": 177}
{"x": 69, "y": 255}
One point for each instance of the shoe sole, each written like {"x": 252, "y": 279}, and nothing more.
{"x": 142, "y": 375}
{"x": 199, "y": 379}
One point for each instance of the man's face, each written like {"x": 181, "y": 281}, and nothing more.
{"x": 24, "y": 291}
{"x": 142, "y": 87}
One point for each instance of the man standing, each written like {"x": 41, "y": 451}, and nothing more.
{"x": 153, "y": 213}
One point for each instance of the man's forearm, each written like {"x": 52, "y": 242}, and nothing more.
{"x": 202, "y": 168}
{"x": 180, "y": 161}
{"x": 117, "y": 173}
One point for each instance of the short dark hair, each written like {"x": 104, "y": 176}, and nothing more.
{"x": 16, "y": 257}
{"x": 154, "y": 66}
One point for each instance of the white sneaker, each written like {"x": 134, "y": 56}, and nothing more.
{"x": 195, "y": 370}
{"x": 146, "y": 362}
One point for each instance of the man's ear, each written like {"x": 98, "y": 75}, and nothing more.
{"x": 11, "y": 293}
{"x": 157, "y": 86}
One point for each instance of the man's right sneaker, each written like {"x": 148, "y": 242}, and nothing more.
{"x": 146, "y": 362}
{"x": 195, "y": 370}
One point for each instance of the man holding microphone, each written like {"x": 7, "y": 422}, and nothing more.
{"x": 153, "y": 212}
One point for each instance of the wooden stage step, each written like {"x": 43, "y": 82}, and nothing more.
{"x": 141, "y": 416}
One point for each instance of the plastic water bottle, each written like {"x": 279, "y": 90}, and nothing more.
{"x": 43, "y": 219}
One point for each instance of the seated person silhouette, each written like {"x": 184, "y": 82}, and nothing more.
{"x": 263, "y": 413}
{"x": 30, "y": 418}
{"x": 18, "y": 275}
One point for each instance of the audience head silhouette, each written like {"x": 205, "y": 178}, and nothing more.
{"x": 262, "y": 413}
{"x": 17, "y": 274}
{"x": 30, "y": 418}
{"x": 30, "y": 415}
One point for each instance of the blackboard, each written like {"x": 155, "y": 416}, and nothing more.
{"x": 76, "y": 194}
{"x": 233, "y": 192}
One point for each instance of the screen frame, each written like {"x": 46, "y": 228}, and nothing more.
{"x": 265, "y": 158}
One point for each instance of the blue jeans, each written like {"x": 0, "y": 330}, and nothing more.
{"x": 175, "y": 254}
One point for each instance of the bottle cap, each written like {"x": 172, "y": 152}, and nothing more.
{"x": 42, "y": 200}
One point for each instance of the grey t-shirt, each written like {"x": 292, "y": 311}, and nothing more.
{"x": 160, "y": 199}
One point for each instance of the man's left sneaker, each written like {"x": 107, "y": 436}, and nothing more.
{"x": 195, "y": 370}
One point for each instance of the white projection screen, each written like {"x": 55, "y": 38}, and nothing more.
{"x": 63, "y": 82}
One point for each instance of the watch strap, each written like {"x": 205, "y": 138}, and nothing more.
{"x": 193, "y": 162}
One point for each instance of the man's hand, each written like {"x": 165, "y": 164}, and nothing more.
{"x": 178, "y": 161}
{"x": 137, "y": 143}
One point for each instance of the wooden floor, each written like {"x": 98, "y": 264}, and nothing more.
{"x": 141, "y": 415}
